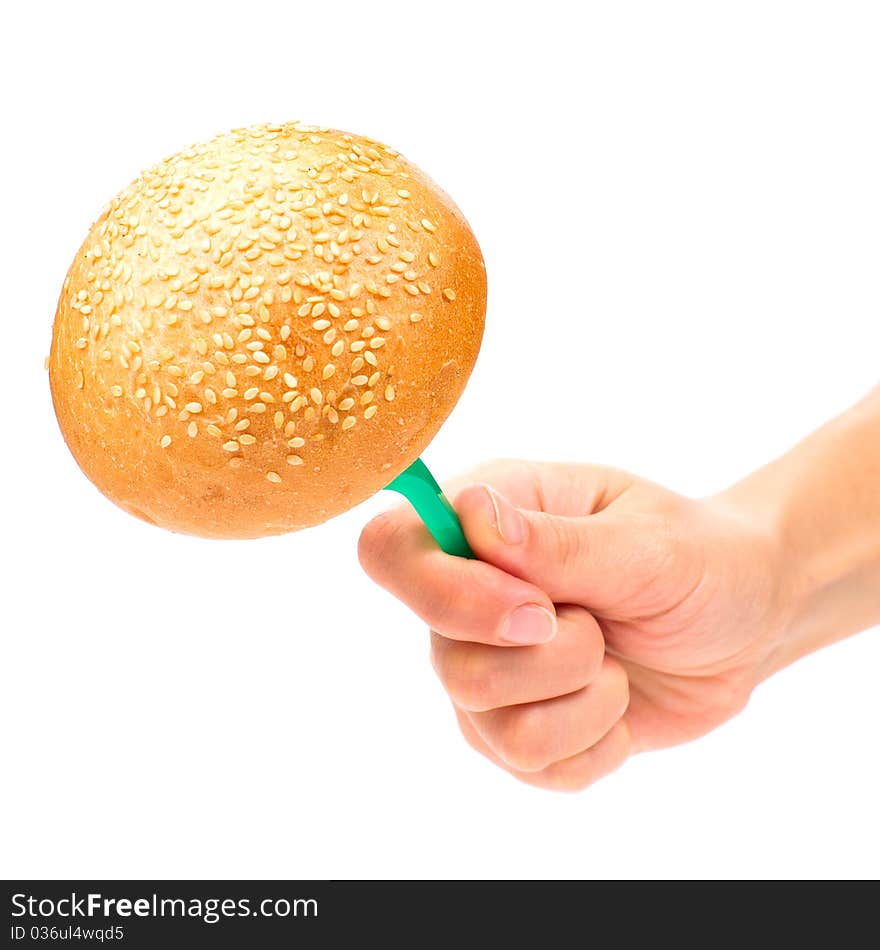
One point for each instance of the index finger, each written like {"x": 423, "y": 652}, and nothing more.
{"x": 458, "y": 598}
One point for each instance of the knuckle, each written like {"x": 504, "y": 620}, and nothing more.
{"x": 379, "y": 539}
{"x": 440, "y": 604}
{"x": 471, "y": 681}
{"x": 437, "y": 655}
{"x": 618, "y": 686}
{"x": 472, "y": 738}
{"x": 730, "y": 696}
{"x": 569, "y": 776}
{"x": 521, "y": 739}
{"x": 590, "y": 643}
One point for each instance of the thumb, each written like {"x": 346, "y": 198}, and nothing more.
{"x": 597, "y": 560}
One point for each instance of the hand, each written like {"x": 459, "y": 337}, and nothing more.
{"x": 605, "y": 615}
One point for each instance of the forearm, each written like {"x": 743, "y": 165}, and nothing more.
{"x": 821, "y": 502}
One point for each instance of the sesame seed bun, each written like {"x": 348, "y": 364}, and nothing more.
{"x": 263, "y": 330}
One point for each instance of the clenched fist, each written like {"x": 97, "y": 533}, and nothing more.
{"x": 606, "y": 615}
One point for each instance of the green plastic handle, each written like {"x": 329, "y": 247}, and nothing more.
{"x": 420, "y": 488}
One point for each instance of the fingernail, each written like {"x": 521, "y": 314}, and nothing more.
{"x": 529, "y": 624}
{"x": 508, "y": 522}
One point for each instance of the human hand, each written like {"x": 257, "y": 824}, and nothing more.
{"x": 644, "y": 618}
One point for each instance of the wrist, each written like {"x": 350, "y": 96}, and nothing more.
{"x": 777, "y": 575}
{"x": 789, "y": 583}
{"x": 818, "y": 506}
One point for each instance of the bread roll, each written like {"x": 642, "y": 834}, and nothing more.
{"x": 263, "y": 330}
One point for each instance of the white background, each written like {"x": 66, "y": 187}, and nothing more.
{"x": 679, "y": 206}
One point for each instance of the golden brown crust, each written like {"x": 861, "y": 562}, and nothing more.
{"x": 263, "y": 330}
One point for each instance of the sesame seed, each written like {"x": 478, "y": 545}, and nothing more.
{"x": 293, "y": 460}
{"x": 273, "y": 477}
{"x": 165, "y": 441}
{"x": 243, "y": 232}
{"x": 449, "y": 293}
